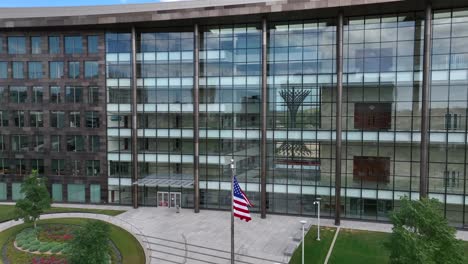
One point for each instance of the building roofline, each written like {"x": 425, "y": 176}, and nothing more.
{"x": 204, "y": 11}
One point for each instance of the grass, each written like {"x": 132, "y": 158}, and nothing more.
{"x": 360, "y": 247}
{"x": 315, "y": 251}
{"x": 7, "y": 211}
{"x": 126, "y": 243}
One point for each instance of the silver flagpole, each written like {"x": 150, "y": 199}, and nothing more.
{"x": 233, "y": 167}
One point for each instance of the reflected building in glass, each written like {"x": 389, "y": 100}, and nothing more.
{"x": 280, "y": 87}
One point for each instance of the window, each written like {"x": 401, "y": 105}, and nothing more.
{"x": 92, "y": 168}
{"x": 75, "y": 166}
{"x": 452, "y": 121}
{"x": 75, "y": 119}
{"x": 57, "y": 192}
{"x": 93, "y": 95}
{"x": 58, "y": 166}
{"x": 35, "y": 70}
{"x": 115, "y": 70}
{"x": 92, "y": 119}
{"x": 54, "y": 45}
{"x": 4, "y": 168}
{"x": 73, "y": 45}
{"x": 76, "y": 193}
{"x": 18, "y": 70}
{"x": 3, "y": 118}
{"x": 2, "y": 143}
{"x": 55, "y": 144}
{"x": 38, "y": 143}
{"x": 55, "y": 94}
{"x": 16, "y": 45}
{"x": 94, "y": 143}
{"x": 36, "y": 45}
{"x": 18, "y": 94}
{"x": 37, "y": 94}
{"x": 73, "y": 69}
{"x": 3, "y": 94}
{"x": 56, "y": 69}
{"x": 371, "y": 116}
{"x": 19, "y": 166}
{"x": 73, "y": 94}
{"x": 18, "y": 117}
{"x": 93, "y": 44}
{"x": 19, "y": 143}
{"x": 75, "y": 143}
{"x": 38, "y": 165}
{"x": 91, "y": 69}
{"x": 372, "y": 169}
{"x": 36, "y": 119}
{"x": 118, "y": 42}
{"x": 1, "y": 45}
{"x": 452, "y": 179}
{"x": 3, "y": 69}
{"x": 57, "y": 119}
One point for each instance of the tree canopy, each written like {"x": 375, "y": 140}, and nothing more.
{"x": 36, "y": 199}
{"x": 421, "y": 235}
{"x": 91, "y": 244}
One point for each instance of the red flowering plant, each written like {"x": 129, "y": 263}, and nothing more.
{"x": 48, "y": 260}
{"x": 56, "y": 233}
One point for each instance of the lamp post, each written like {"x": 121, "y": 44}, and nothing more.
{"x": 317, "y": 202}
{"x": 303, "y": 222}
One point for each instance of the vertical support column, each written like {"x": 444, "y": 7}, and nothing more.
{"x": 134, "y": 124}
{"x": 263, "y": 169}
{"x": 196, "y": 137}
{"x": 423, "y": 184}
{"x": 339, "y": 102}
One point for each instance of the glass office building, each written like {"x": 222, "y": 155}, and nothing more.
{"x": 279, "y": 93}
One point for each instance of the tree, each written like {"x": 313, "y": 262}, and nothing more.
{"x": 422, "y": 235}
{"x": 90, "y": 244}
{"x": 36, "y": 199}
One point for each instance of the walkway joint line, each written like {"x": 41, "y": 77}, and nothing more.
{"x": 332, "y": 245}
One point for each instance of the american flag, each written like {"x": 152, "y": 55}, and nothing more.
{"x": 241, "y": 203}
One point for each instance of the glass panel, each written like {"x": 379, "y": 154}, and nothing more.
{"x": 76, "y": 193}
{"x": 57, "y": 193}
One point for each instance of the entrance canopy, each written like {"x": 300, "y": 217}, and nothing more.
{"x": 153, "y": 181}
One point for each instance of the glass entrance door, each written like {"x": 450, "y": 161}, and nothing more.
{"x": 163, "y": 199}
{"x": 175, "y": 199}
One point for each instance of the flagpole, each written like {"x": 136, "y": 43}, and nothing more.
{"x": 233, "y": 167}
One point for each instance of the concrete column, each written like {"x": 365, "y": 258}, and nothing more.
{"x": 196, "y": 137}
{"x": 263, "y": 151}
{"x": 134, "y": 124}
{"x": 423, "y": 182}
{"x": 339, "y": 102}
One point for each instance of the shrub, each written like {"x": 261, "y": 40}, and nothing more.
{"x": 57, "y": 249}
{"x": 35, "y": 242}
{"x": 20, "y": 243}
{"x": 33, "y": 248}
{"x": 44, "y": 248}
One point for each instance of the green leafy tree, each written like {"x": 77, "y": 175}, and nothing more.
{"x": 421, "y": 235}
{"x": 36, "y": 199}
{"x": 90, "y": 244}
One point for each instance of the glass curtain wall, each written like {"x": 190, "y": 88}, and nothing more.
{"x": 165, "y": 112}
{"x": 119, "y": 121}
{"x": 301, "y": 95}
{"x": 448, "y": 113}
{"x": 230, "y": 101}
{"x": 382, "y": 101}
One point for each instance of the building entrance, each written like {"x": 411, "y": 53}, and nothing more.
{"x": 169, "y": 199}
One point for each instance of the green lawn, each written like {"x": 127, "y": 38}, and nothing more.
{"x": 126, "y": 243}
{"x": 360, "y": 247}
{"x": 315, "y": 251}
{"x": 7, "y": 211}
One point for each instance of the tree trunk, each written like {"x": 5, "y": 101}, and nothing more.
{"x": 34, "y": 224}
